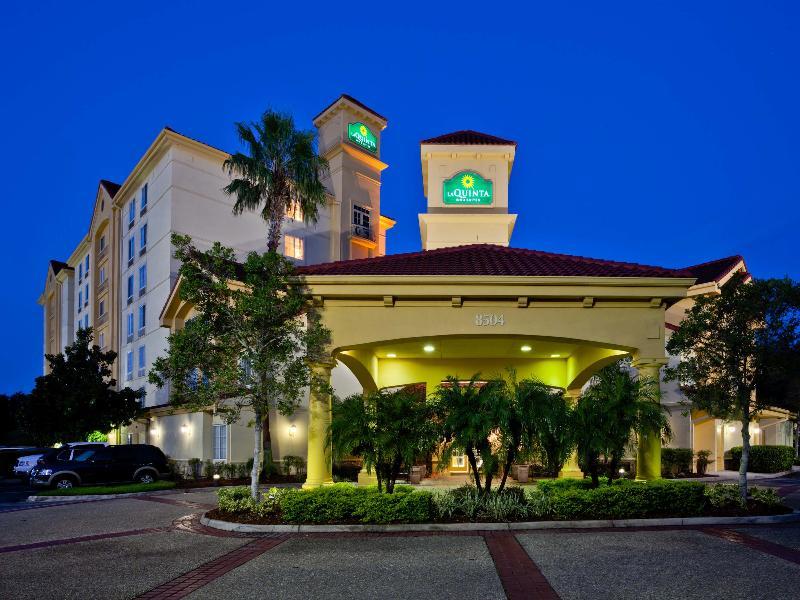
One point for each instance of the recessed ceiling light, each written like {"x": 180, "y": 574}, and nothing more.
{"x": 428, "y": 348}
{"x": 526, "y": 348}
{"x": 555, "y": 356}
{"x": 391, "y": 355}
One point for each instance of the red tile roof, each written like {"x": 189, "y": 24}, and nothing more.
{"x": 469, "y": 137}
{"x": 714, "y": 270}
{"x": 354, "y": 101}
{"x": 488, "y": 260}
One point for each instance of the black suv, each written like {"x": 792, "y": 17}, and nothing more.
{"x": 77, "y": 466}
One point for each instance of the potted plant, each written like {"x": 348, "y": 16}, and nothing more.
{"x": 702, "y": 461}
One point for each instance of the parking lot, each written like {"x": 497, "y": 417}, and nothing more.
{"x": 154, "y": 547}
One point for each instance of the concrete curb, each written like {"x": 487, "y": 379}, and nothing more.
{"x": 98, "y": 496}
{"x": 530, "y": 525}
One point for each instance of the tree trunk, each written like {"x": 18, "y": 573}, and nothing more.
{"x": 797, "y": 435}
{"x": 274, "y": 228}
{"x": 266, "y": 439}
{"x": 743, "y": 464}
{"x": 474, "y": 465}
{"x": 257, "y": 446}
{"x": 506, "y": 468}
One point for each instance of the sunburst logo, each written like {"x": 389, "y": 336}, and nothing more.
{"x": 468, "y": 181}
{"x": 363, "y": 130}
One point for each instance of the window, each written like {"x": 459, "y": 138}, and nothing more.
{"x": 295, "y": 212}
{"x": 142, "y": 280}
{"x": 86, "y": 321}
{"x": 129, "y": 366}
{"x": 142, "y": 319}
{"x": 130, "y": 327}
{"x": 102, "y": 307}
{"x": 86, "y": 262}
{"x": 141, "y": 361}
{"x": 220, "y": 442}
{"x": 458, "y": 461}
{"x": 102, "y": 243}
{"x": 86, "y": 295}
{"x": 131, "y": 250}
{"x": 129, "y": 439}
{"x": 130, "y": 289}
{"x": 102, "y": 275}
{"x": 361, "y": 226}
{"x": 293, "y": 247}
{"x": 80, "y": 301}
{"x": 131, "y": 213}
{"x": 101, "y": 339}
{"x": 142, "y": 239}
{"x": 144, "y": 200}
{"x": 80, "y": 272}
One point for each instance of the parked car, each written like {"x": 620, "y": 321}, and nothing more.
{"x": 9, "y": 456}
{"x": 28, "y": 461}
{"x": 79, "y": 466}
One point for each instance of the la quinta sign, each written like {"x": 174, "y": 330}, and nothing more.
{"x": 467, "y": 187}
{"x": 361, "y": 135}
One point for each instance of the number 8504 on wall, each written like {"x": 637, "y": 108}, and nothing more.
{"x": 489, "y": 320}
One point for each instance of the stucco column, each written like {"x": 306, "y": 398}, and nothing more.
{"x": 571, "y": 469}
{"x": 320, "y": 467}
{"x": 648, "y": 456}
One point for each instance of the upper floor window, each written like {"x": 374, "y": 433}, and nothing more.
{"x": 142, "y": 280}
{"x": 361, "y": 226}
{"x": 86, "y": 321}
{"x": 129, "y": 328}
{"x": 129, "y": 365}
{"x": 130, "y": 289}
{"x": 102, "y": 243}
{"x": 142, "y": 318}
{"x": 80, "y": 272}
{"x": 131, "y": 250}
{"x": 101, "y": 339}
{"x": 293, "y": 247}
{"x": 295, "y": 212}
{"x": 86, "y": 263}
{"x": 142, "y": 362}
{"x": 131, "y": 213}
{"x": 86, "y": 295}
{"x": 102, "y": 307}
{"x": 142, "y": 239}
{"x": 80, "y": 301}
{"x": 144, "y": 200}
{"x": 102, "y": 275}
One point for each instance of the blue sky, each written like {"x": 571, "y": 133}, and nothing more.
{"x": 657, "y": 132}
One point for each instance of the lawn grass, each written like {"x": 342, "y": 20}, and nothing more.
{"x": 124, "y": 488}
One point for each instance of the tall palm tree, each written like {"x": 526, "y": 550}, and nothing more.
{"x": 281, "y": 172}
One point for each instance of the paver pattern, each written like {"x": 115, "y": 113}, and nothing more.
{"x": 155, "y": 547}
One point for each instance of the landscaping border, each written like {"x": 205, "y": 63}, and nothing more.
{"x": 99, "y": 496}
{"x": 525, "y": 525}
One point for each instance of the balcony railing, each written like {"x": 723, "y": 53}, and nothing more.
{"x": 102, "y": 319}
{"x": 363, "y": 231}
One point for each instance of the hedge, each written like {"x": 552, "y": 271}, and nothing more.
{"x": 765, "y": 459}
{"x": 675, "y": 461}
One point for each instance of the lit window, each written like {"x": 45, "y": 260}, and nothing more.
{"x": 143, "y": 239}
{"x": 459, "y": 461}
{"x": 101, "y": 339}
{"x": 131, "y": 213}
{"x": 361, "y": 226}
{"x": 144, "y": 200}
{"x": 142, "y": 318}
{"x": 142, "y": 279}
{"x": 129, "y": 366}
{"x": 220, "y": 442}
{"x": 142, "y": 361}
{"x": 295, "y": 212}
{"x": 293, "y": 247}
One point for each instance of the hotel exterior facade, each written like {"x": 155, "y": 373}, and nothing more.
{"x": 468, "y": 302}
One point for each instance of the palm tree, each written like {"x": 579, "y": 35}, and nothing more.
{"x": 281, "y": 172}
{"x": 611, "y": 413}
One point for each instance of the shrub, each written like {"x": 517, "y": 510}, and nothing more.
{"x": 466, "y": 503}
{"x": 723, "y": 495}
{"x": 675, "y": 461}
{"x": 702, "y": 461}
{"x": 193, "y": 465}
{"x": 343, "y": 502}
{"x": 209, "y": 468}
{"x": 346, "y": 470}
{"x": 237, "y": 501}
{"x": 765, "y": 459}
{"x": 296, "y": 463}
{"x": 767, "y": 497}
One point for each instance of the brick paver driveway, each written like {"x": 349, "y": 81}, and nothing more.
{"x": 154, "y": 547}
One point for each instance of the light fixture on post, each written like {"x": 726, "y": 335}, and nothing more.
{"x": 292, "y": 430}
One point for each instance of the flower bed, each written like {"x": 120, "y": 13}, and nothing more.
{"x": 549, "y": 500}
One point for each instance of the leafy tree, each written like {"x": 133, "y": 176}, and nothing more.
{"x": 251, "y": 343}
{"x": 77, "y": 396}
{"x": 12, "y": 431}
{"x": 388, "y": 429}
{"x": 614, "y": 409}
{"x": 282, "y": 171}
{"x": 497, "y": 422}
{"x": 736, "y": 343}
{"x": 550, "y": 422}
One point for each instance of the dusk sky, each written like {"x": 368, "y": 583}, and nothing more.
{"x": 663, "y": 133}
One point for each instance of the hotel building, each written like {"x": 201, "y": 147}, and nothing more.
{"x": 467, "y": 302}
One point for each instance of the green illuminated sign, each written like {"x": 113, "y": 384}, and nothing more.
{"x": 467, "y": 187}
{"x": 360, "y": 134}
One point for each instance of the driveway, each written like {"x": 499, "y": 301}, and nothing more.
{"x": 154, "y": 547}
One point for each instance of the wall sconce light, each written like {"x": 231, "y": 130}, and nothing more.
{"x": 391, "y": 355}
{"x": 216, "y": 478}
{"x": 428, "y": 348}
{"x": 292, "y": 430}
{"x": 184, "y": 428}
{"x": 526, "y": 348}
{"x": 154, "y": 430}
{"x": 731, "y": 428}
